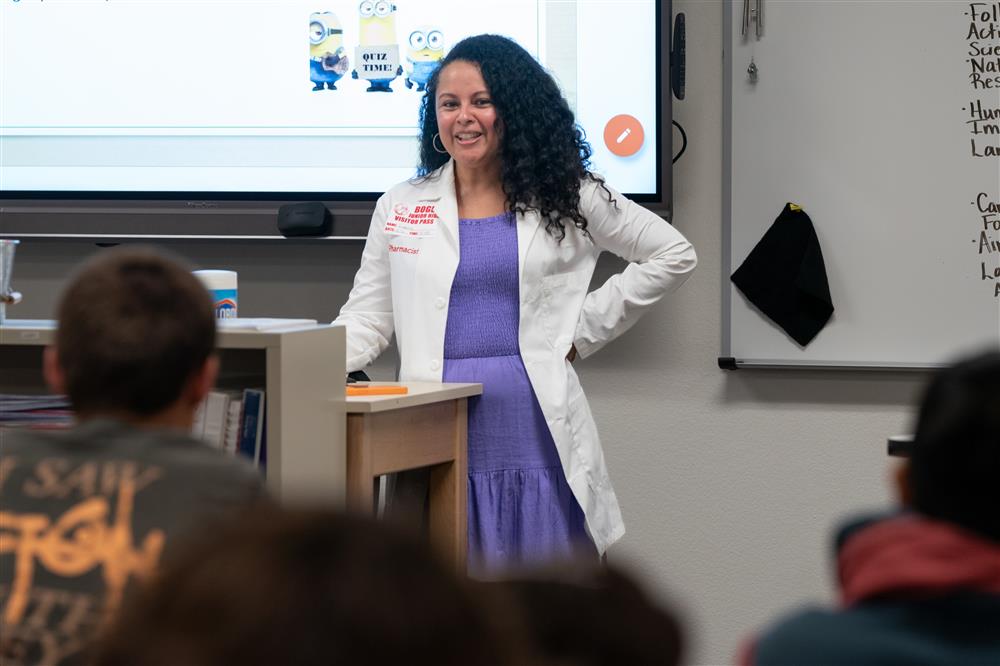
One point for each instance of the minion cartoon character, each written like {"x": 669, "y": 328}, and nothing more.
{"x": 377, "y": 55}
{"x": 327, "y": 59}
{"x": 425, "y": 53}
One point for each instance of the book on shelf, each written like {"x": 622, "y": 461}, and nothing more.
{"x": 260, "y": 460}
{"x": 35, "y": 411}
{"x": 212, "y": 419}
{"x": 234, "y": 422}
{"x": 252, "y": 428}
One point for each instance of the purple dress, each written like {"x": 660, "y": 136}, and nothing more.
{"x": 521, "y": 510}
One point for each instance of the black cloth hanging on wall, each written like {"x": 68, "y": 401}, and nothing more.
{"x": 785, "y": 278}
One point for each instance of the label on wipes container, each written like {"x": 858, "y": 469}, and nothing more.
{"x": 225, "y": 303}
{"x": 221, "y": 286}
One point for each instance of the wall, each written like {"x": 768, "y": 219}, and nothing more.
{"x": 728, "y": 481}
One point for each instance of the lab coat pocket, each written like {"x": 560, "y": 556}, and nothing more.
{"x": 562, "y": 296}
{"x": 404, "y": 252}
{"x": 405, "y": 260}
{"x": 565, "y": 282}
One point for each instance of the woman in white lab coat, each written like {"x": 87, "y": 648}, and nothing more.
{"x": 480, "y": 267}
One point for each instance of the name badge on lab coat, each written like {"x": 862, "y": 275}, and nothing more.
{"x": 414, "y": 221}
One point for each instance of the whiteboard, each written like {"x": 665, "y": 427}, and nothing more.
{"x": 861, "y": 114}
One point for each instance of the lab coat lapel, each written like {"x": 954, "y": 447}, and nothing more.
{"x": 443, "y": 192}
{"x": 527, "y": 227}
{"x": 438, "y": 259}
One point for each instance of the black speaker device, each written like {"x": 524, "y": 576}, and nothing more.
{"x": 678, "y": 58}
{"x": 308, "y": 218}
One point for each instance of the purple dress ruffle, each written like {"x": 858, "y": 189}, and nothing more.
{"x": 521, "y": 510}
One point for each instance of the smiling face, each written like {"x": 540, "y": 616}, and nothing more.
{"x": 467, "y": 120}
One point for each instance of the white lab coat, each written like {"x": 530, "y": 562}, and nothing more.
{"x": 404, "y": 283}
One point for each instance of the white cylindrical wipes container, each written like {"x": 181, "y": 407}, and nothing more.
{"x": 221, "y": 286}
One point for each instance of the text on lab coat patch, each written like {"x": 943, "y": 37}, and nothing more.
{"x": 415, "y": 221}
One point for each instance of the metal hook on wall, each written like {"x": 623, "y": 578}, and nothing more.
{"x": 753, "y": 11}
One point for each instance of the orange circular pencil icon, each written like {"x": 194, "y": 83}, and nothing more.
{"x": 623, "y": 135}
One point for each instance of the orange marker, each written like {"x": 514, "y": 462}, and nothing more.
{"x": 377, "y": 390}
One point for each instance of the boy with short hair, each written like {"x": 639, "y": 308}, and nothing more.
{"x": 85, "y": 512}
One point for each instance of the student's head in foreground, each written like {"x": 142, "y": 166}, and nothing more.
{"x": 135, "y": 338}
{"x": 590, "y": 615}
{"x": 953, "y": 473}
{"x": 306, "y": 587}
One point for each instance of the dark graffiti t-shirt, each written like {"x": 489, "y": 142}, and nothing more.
{"x": 87, "y": 512}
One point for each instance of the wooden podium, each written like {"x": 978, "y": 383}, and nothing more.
{"x": 424, "y": 428}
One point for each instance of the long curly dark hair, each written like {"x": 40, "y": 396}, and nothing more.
{"x": 544, "y": 154}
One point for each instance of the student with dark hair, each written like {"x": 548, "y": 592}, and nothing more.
{"x": 953, "y": 474}
{"x": 133, "y": 332}
{"x": 308, "y": 588}
{"x": 481, "y": 268}
{"x": 87, "y": 511}
{"x": 592, "y": 616}
{"x": 921, "y": 586}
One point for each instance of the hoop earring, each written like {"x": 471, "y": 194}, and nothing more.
{"x": 434, "y": 140}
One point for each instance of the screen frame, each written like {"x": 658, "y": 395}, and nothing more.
{"x": 245, "y": 215}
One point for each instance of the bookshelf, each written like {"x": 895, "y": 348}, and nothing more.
{"x": 301, "y": 370}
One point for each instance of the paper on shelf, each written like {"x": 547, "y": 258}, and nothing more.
{"x": 261, "y": 323}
